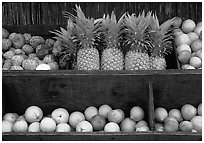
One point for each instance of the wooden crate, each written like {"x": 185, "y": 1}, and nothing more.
{"x": 76, "y": 90}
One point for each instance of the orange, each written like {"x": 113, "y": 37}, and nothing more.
{"x": 75, "y": 118}
{"x": 186, "y": 126}
{"x": 90, "y": 112}
{"x": 112, "y": 127}
{"x": 200, "y": 109}
{"x": 137, "y": 113}
{"x": 48, "y": 125}
{"x": 127, "y": 125}
{"x": 195, "y": 62}
{"x": 184, "y": 56}
{"x": 84, "y": 126}
{"x": 188, "y": 111}
{"x": 116, "y": 115}
{"x": 193, "y": 36}
{"x": 160, "y": 114}
{"x": 171, "y": 124}
{"x": 103, "y": 110}
{"x": 197, "y": 30}
{"x": 182, "y": 39}
{"x": 188, "y": 26}
{"x": 196, "y": 45}
{"x": 199, "y": 24}
{"x": 182, "y": 48}
{"x": 177, "y": 31}
{"x": 176, "y": 114}
{"x": 197, "y": 123}
{"x": 159, "y": 127}
{"x": 187, "y": 66}
{"x": 198, "y": 54}
{"x": 7, "y": 126}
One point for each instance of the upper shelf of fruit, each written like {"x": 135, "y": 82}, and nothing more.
{"x": 132, "y": 43}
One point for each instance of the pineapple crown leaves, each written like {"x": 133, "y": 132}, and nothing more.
{"x": 136, "y": 31}
{"x": 112, "y": 29}
{"x": 84, "y": 29}
{"x": 161, "y": 36}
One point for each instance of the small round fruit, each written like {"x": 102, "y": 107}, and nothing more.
{"x": 5, "y": 33}
{"x": 198, "y": 30}
{"x": 27, "y": 49}
{"x": 33, "y": 114}
{"x": 116, "y": 115}
{"x": 27, "y": 37}
{"x": 63, "y": 127}
{"x": 17, "y": 60}
{"x": 98, "y": 122}
{"x": 200, "y": 109}
{"x": 159, "y": 127}
{"x": 177, "y": 32}
{"x": 47, "y": 125}
{"x": 197, "y": 123}
{"x": 182, "y": 48}
{"x": 7, "y": 126}
{"x": 18, "y": 40}
{"x": 112, "y": 127}
{"x": 84, "y": 126}
{"x": 103, "y": 110}
{"x": 10, "y": 117}
{"x": 137, "y": 113}
{"x": 20, "y": 126}
{"x": 198, "y": 54}
{"x": 177, "y": 22}
{"x": 128, "y": 125}
{"x": 199, "y": 24}
{"x": 16, "y": 68}
{"x": 160, "y": 114}
{"x": 193, "y": 36}
{"x": 29, "y": 64}
{"x": 186, "y": 126}
{"x": 43, "y": 67}
{"x": 141, "y": 123}
{"x": 188, "y": 111}
{"x": 8, "y": 54}
{"x": 142, "y": 129}
{"x": 182, "y": 39}
{"x": 6, "y": 44}
{"x": 53, "y": 66}
{"x": 90, "y": 112}
{"x": 195, "y": 62}
{"x": 75, "y": 118}
{"x": 188, "y": 26}
{"x": 187, "y": 66}
{"x": 34, "y": 127}
{"x": 196, "y": 45}
{"x": 171, "y": 124}
{"x": 184, "y": 56}
{"x": 60, "y": 115}
{"x": 176, "y": 114}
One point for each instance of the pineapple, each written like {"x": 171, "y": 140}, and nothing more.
{"x": 84, "y": 35}
{"x": 161, "y": 37}
{"x": 112, "y": 57}
{"x": 137, "y": 57}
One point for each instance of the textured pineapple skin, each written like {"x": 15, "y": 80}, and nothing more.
{"x": 88, "y": 59}
{"x": 157, "y": 63}
{"x": 136, "y": 61}
{"x": 112, "y": 59}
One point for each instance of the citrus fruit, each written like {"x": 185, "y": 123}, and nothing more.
{"x": 195, "y": 62}
{"x": 182, "y": 39}
{"x": 188, "y": 26}
{"x": 112, "y": 127}
{"x": 160, "y": 114}
{"x": 184, "y": 56}
{"x": 187, "y": 66}
{"x": 127, "y": 125}
{"x": 98, "y": 122}
{"x": 177, "y": 22}
{"x": 159, "y": 127}
{"x": 141, "y": 123}
{"x": 60, "y": 115}
{"x": 20, "y": 126}
{"x": 193, "y": 36}
{"x": 176, "y": 114}
{"x": 63, "y": 127}
{"x": 197, "y": 123}
{"x": 186, "y": 126}
{"x": 171, "y": 124}
{"x": 200, "y": 109}
{"x": 10, "y": 117}
{"x": 197, "y": 30}
{"x": 116, "y": 115}
{"x": 196, "y": 45}
{"x": 47, "y": 125}
{"x": 188, "y": 111}
{"x": 182, "y": 48}
{"x": 90, "y": 112}
{"x": 75, "y": 118}
{"x": 34, "y": 127}
{"x": 7, "y": 126}
{"x": 142, "y": 129}
{"x": 198, "y": 54}
{"x": 103, "y": 110}
{"x": 199, "y": 24}
{"x": 84, "y": 126}
{"x": 137, "y": 113}
{"x": 33, "y": 114}
{"x": 177, "y": 32}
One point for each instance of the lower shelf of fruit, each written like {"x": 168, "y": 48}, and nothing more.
{"x": 104, "y": 136}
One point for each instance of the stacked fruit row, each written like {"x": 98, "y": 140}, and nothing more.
{"x": 188, "y": 39}
{"x": 130, "y": 43}
{"x": 189, "y": 119}
{"x": 103, "y": 119}
{"x": 26, "y": 52}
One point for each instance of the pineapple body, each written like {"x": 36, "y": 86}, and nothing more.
{"x": 112, "y": 59}
{"x": 136, "y": 61}
{"x": 157, "y": 63}
{"x": 88, "y": 59}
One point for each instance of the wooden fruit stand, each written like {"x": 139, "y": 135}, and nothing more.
{"x": 76, "y": 90}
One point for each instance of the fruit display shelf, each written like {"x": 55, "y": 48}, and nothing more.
{"x": 76, "y": 90}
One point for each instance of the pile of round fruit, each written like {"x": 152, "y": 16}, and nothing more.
{"x": 26, "y": 52}
{"x": 188, "y": 39}
{"x": 104, "y": 119}
{"x": 189, "y": 119}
